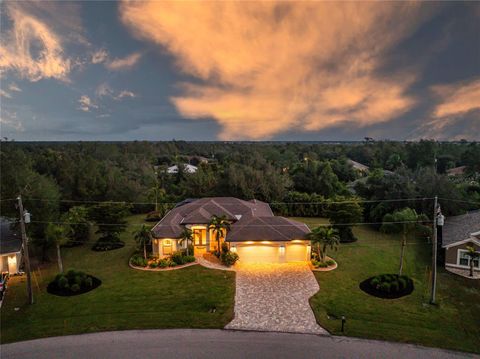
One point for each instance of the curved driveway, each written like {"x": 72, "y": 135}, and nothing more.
{"x": 212, "y": 344}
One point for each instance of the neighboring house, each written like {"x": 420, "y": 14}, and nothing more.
{"x": 187, "y": 168}
{"x": 456, "y": 171}
{"x": 363, "y": 169}
{"x": 10, "y": 247}
{"x": 458, "y": 233}
{"x": 255, "y": 233}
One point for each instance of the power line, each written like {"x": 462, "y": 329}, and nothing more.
{"x": 458, "y": 200}
{"x": 272, "y": 203}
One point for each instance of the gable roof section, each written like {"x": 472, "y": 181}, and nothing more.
{"x": 200, "y": 211}
{"x": 10, "y": 239}
{"x": 276, "y": 229}
{"x": 459, "y": 228}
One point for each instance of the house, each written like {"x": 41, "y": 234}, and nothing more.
{"x": 458, "y": 233}
{"x": 10, "y": 247}
{"x": 255, "y": 233}
{"x": 456, "y": 171}
{"x": 357, "y": 166}
{"x": 187, "y": 168}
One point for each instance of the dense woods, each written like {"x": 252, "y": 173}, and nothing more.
{"x": 298, "y": 179}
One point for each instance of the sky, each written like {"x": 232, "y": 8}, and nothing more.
{"x": 289, "y": 71}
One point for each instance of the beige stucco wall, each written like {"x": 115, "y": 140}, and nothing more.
{"x": 10, "y": 262}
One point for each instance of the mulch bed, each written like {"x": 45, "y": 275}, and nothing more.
{"x": 367, "y": 288}
{"x": 52, "y": 289}
{"x": 103, "y": 247}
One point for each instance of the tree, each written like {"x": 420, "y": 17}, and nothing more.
{"x": 323, "y": 237}
{"x": 473, "y": 255}
{"x": 187, "y": 237}
{"x": 77, "y": 220}
{"x": 343, "y": 212}
{"x": 110, "y": 221}
{"x": 58, "y": 235}
{"x": 143, "y": 237}
{"x": 406, "y": 221}
{"x": 220, "y": 225}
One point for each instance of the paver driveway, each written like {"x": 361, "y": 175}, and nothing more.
{"x": 274, "y": 297}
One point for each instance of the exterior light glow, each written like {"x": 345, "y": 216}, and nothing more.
{"x": 265, "y": 242}
{"x": 282, "y": 249}
{"x": 234, "y": 248}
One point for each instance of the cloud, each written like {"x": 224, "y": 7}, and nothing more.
{"x": 104, "y": 90}
{"x": 86, "y": 104}
{"x": 9, "y": 119}
{"x": 13, "y": 87}
{"x": 456, "y": 115}
{"x": 125, "y": 63}
{"x": 457, "y": 99}
{"x": 273, "y": 67}
{"x": 33, "y": 47}
{"x": 99, "y": 56}
{"x": 4, "y": 93}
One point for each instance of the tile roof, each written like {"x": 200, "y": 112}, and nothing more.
{"x": 262, "y": 224}
{"x": 10, "y": 239}
{"x": 267, "y": 229}
{"x": 458, "y": 228}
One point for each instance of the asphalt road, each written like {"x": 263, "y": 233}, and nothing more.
{"x": 204, "y": 343}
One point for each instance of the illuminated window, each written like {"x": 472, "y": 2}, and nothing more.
{"x": 167, "y": 246}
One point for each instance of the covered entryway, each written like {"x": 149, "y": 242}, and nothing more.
{"x": 296, "y": 252}
{"x": 258, "y": 253}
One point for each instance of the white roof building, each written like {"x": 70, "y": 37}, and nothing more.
{"x": 186, "y": 168}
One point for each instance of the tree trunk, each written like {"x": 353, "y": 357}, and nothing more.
{"x": 145, "y": 250}
{"x": 319, "y": 250}
{"x": 471, "y": 267}
{"x": 324, "y": 254}
{"x": 59, "y": 258}
{"x": 187, "y": 247}
{"x": 402, "y": 252}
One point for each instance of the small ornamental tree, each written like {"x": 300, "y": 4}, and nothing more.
{"x": 322, "y": 238}
{"x": 77, "y": 220}
{"x": 110, "y": 221}
{"x": 187, "y": 237}
{"x": 474, "y": 255}
{"x": 220, "y": 225}
{"x": 58, "y": 235}
{"x": 343, "y": 212}
{"x": 143, "y": 238}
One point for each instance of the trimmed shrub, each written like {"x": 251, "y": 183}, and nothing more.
{"x": 153, "y": 265}
{"x": 163, "y": 263}
{"x": 75, "y": 288}
{"x": 384, "y": 287}
{"x": 389, "y": 286}
{"x": 402, "y": 283}
{"x": 322, "y": 265}
{"x": 72, "y": 283}
{"x": 62, "y": 282}
{"x": 225, "y": 248}
{"x": 189, "y": 259}
{"x": 331, "y": 262}
{"x": 375, "y": 282}
{"x": 172, "y": 264}
{"x": 177, "y": 258}
{"x": 229, "y": 258}
{"x": 89, "y": 282}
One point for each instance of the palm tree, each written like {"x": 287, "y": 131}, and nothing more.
{"x": 58, "y": 235}
{"x": 221, "y": 226}
{"x": 407, "y": 221}
{"x": 323, "y": 237}
{"x": 143, "y": 237}
{"x": 473, "y": 255}
{"x": 186, "y": 236}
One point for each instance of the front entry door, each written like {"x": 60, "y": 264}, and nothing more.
{"x": 200, "y": 241}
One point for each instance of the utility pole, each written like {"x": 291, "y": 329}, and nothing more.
{"x": 25, "y": 250}
{"x": 434, "y": 251}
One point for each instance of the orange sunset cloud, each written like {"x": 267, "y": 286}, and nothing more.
{"x": 265, "y": 67}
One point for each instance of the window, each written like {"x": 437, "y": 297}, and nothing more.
{"x": 199, "y": 236}
{"x": 464, "y": 259}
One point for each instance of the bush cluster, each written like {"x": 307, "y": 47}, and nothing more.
{"x": 177, "y": 258}
{"x": 319, "y": 264}
{"x": 229, "y": 258}
{"x": 390, "y": 283}
{"x": 72, "y": 281}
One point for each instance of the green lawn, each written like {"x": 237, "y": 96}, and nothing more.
{"x": 127, "y": 298}
{"x": 453, "y": 324}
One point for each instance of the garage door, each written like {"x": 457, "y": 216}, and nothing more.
{"x": 296, "y": 252}
{"x": 257, "y": 253}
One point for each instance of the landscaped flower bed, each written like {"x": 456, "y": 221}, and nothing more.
{"x": 388, "y": 286}
{"x": 72, "y": 283}
{"x": 176, "y": 259}
{"x": 327, "y": 265}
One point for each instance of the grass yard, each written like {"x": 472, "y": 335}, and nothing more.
{"x": 127, "y": 298}
{"x": 452, "y": 324}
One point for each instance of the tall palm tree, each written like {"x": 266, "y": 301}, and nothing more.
{"x": 473, "y": 255}
{"x": 58, "y": 235}
{"x": 186, "y": 236}
{"x": 322, "y": 238}
{"x": 220, "y": 225}
{"x": 143, "y": 237}
{"x": 408, "y": 222}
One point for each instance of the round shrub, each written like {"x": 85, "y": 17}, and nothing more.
{"x": 172, "y": 263}
{"x": 229, "y": 258}
{"x": 388, "y": 286}
{"x": 177, "y": 258}
{"x": 72, "y": 283}
{"x": 153, "y": 265}
{"x": 331, "y": 262}
{"x": 163, "y": 263}
{"x": 189, "y": 259}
